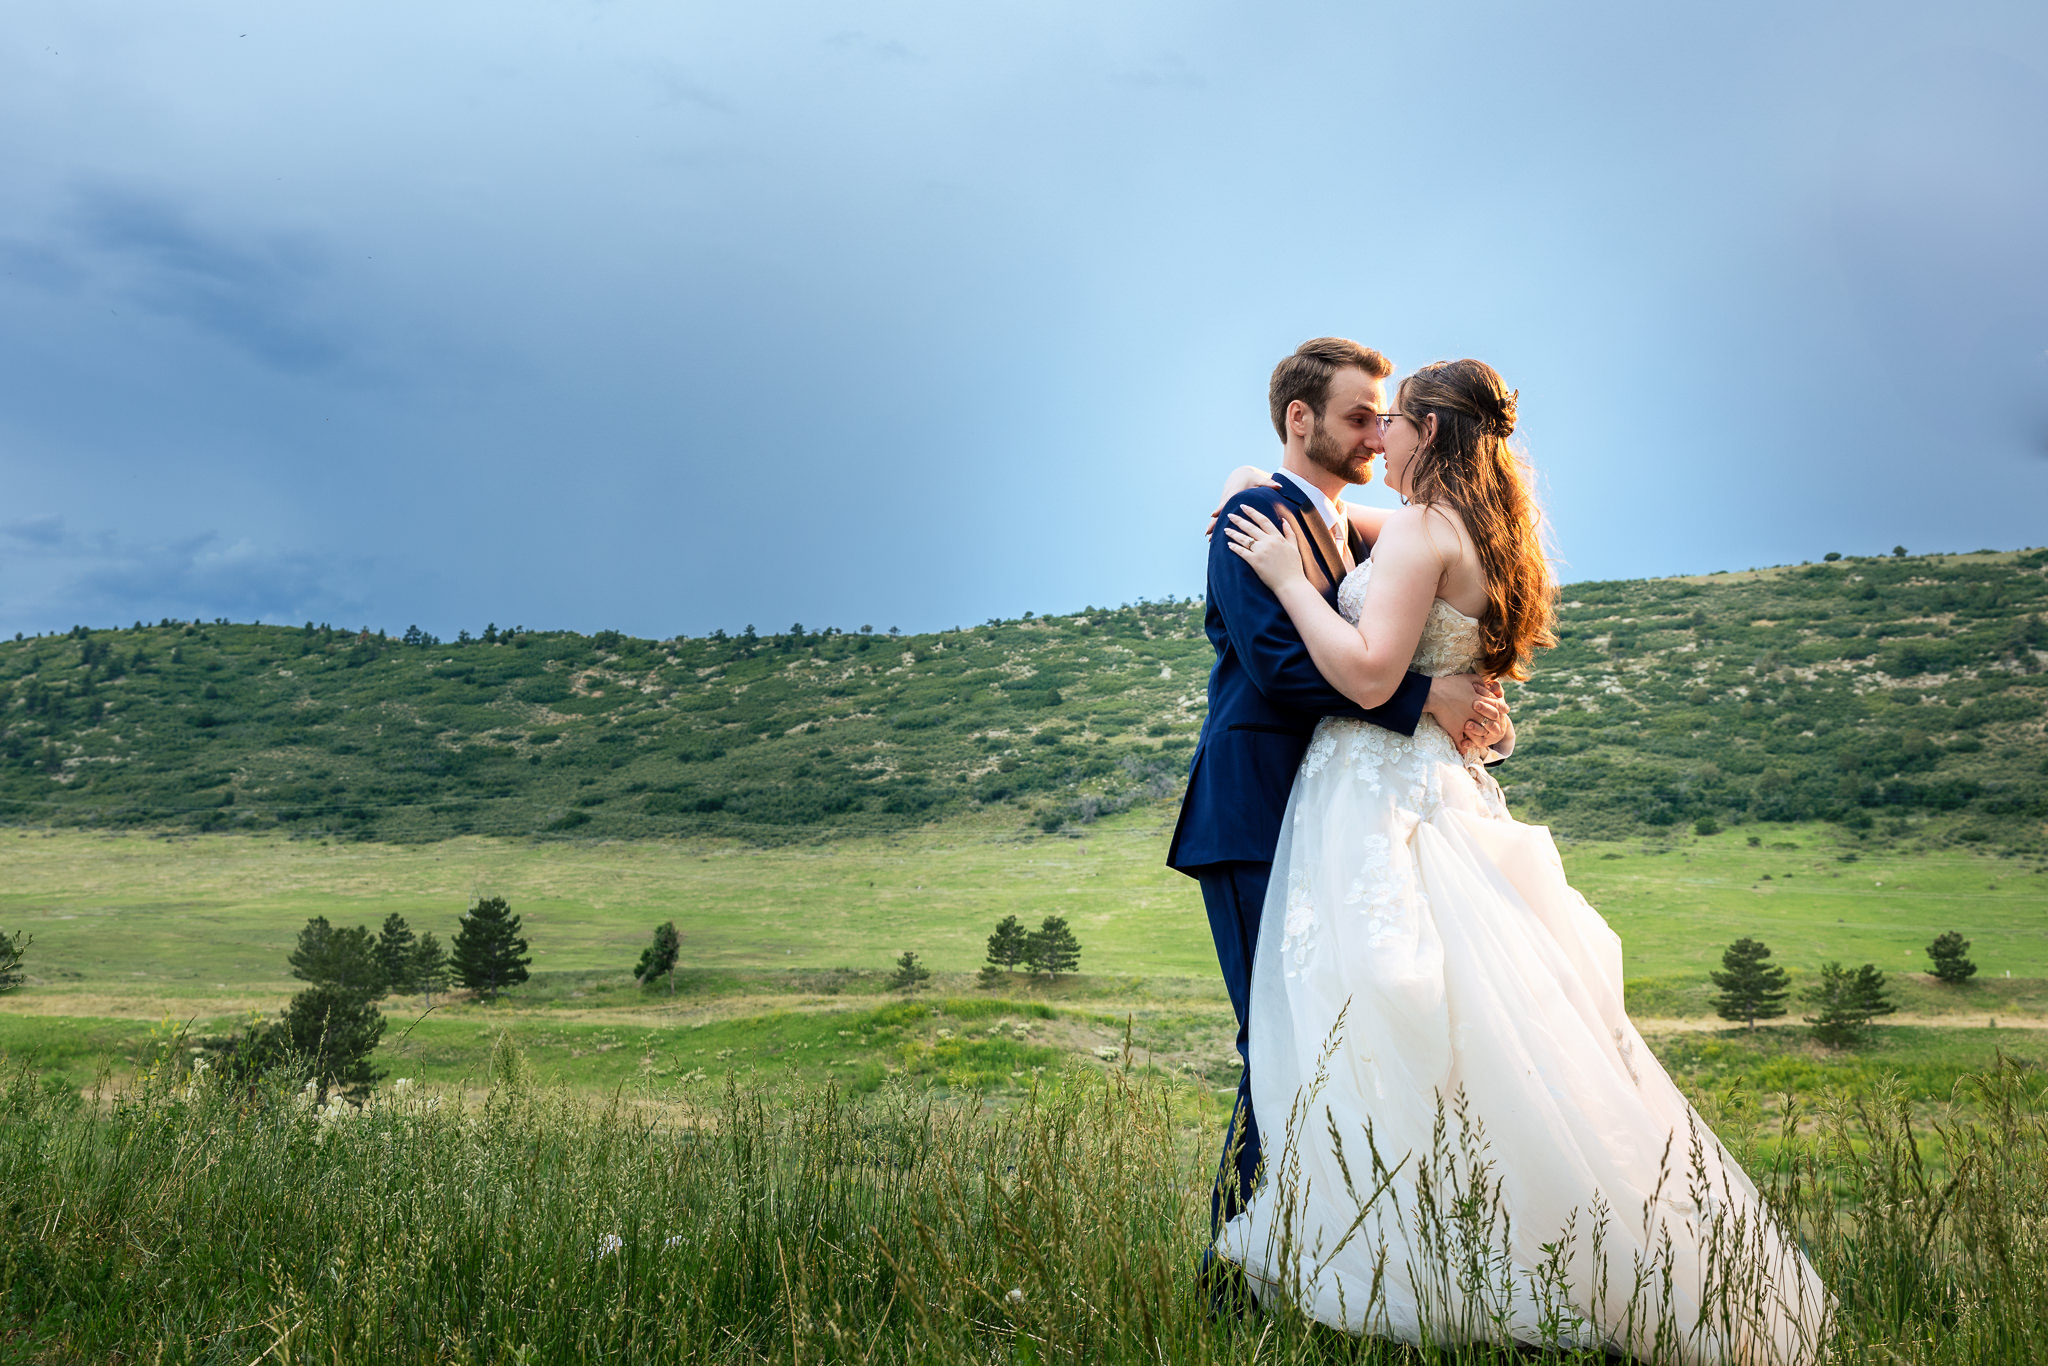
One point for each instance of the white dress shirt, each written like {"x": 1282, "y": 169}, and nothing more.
{"x": 1332, "y": 513}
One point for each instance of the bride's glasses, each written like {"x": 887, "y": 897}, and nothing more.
{"x": 1386, "y": 420}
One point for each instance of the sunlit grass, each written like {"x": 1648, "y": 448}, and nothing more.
{"x": 705, "y": 1222}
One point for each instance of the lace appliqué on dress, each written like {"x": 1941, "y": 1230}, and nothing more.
{"x": 1368, "y": 753}
{"x": 1320, "y": 747}
{"x": 1298, "y": 943}
{"x": 1385, "y": 884}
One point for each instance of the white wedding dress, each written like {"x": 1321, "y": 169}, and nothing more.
{"x": 1465, "y": 1138}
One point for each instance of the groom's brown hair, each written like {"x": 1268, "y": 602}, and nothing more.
{"x": 1306, "y": 375}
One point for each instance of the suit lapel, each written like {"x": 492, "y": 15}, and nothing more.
{"x": 1319, "y": 557}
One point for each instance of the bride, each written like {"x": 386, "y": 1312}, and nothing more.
{"x": 1479, "y": 1145}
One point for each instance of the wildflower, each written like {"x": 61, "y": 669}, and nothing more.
{"x": 1016, "y": 1295}
{"x": 673, "y": 1240}
{"x": 609, "y": 1244}
{"x": 401, "y": 1084}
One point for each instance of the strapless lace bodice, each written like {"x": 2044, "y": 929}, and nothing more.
{"x": 1450, "y": 639}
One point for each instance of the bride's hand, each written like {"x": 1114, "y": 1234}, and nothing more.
{"x": 1242, "y": 478}
{"x": 1488, "y": 726}
{"x": 1270, "y": 550}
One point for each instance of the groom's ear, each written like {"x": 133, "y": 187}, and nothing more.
{"x": 1301, "y": 419}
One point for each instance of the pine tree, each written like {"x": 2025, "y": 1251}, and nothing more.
{"x": 910, "y": 974}
{"x": 397, "y": 954}
{"x": 658, "y": 959}
{"x": 1006, "y": 945}
{"x": 489, "y": 956}
{"x": 331, "y": 1032}
{"x": 345, "y": 959}
{"x": 1950, "y": 965}
{"x": 12, "y": 949}
{"x": 1752, "y": 987}
{"x": 1846, "y": 1002}
{"x": 1052, "y": 948}
{"x": 429, "y": 967}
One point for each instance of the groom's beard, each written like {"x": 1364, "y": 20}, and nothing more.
{"x": 1324, "y": 452}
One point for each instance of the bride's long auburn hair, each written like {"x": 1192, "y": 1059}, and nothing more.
{"x": 1467, "y": 465}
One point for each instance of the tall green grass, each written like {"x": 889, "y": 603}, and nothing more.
{"x": 180, "y": 1220}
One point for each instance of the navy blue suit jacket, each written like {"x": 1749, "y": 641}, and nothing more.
{"x": 1265, "y": 698}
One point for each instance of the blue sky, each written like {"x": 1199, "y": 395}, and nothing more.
{"x": 667, "y": 317}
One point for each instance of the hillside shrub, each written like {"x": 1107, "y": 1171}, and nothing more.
{"x": 658, "y": 959}
{"x": 910, "y": 974}
{"x": 1846, "y": 1001}
{"x": 13, "y": 949}
{"x": 1950, "y": 963}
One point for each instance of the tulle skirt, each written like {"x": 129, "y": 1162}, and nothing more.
{"x": 1465, "y": 1137}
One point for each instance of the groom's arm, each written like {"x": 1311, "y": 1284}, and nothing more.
{"x": 1271, "y": 649}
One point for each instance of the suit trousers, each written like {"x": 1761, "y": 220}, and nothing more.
{"x": 1234, "y": 894}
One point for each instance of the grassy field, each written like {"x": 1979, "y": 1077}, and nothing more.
{"x": 206, "y": 921}
{"x": 832, "y": 1155}
{"x": 785, "y": 949}
{"x": 186, "y": 1221}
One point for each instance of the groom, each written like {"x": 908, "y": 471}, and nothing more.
{"x": 1265, "y": 695}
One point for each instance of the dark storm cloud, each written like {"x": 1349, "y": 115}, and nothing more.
{"x": 675, "y": 317}
{"x": 46, "y": 531}
{"x": 255, "y": 297}
{"x": 74, "y": 576}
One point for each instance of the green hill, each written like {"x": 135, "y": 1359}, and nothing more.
{"x": 1902, "y": 689}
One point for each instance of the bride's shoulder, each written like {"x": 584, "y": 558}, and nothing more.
{"x": 1424, "y": 529}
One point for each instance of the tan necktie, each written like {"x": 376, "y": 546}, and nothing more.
{"x": 1341, "y": 534}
